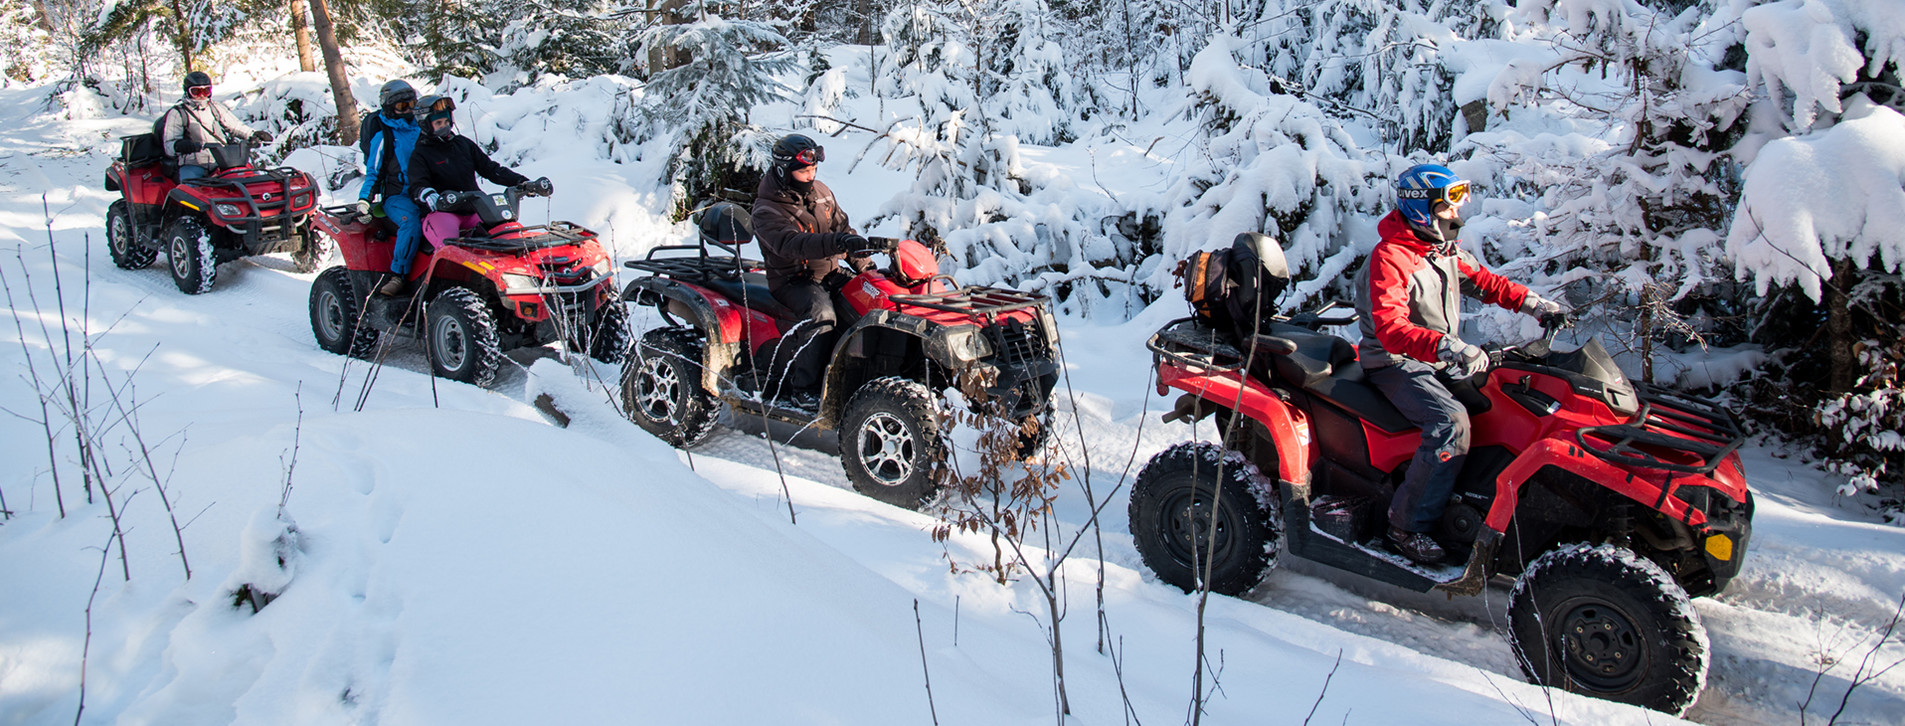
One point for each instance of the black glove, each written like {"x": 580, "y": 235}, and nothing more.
{"x": 1557, "y": 321}
{"x": 883, "y": 244}
{"x": 261, "y": 136}
{"x": 541, "y": 187}
{"x": 855, "y": 244}
{"x": 187, "y": 146}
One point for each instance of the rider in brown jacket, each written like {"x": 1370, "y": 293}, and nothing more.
{"x": 804, "y": 237}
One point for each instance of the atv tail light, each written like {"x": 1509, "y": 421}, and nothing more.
{"x": 1721, "y": 547}
{"x": 226, "y": 210}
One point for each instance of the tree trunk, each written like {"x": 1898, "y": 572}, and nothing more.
{"x": 334, "y": 66}
{"x": 1839, "y": 326}
{"x": 185, "y": 44}
{"x": 666, "y": 12}
{"x": 307, "y": 58}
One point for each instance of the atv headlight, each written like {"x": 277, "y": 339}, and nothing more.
{"x": 968, "y": 345}
{"x": 226, "y": 210}
{"x": 521, "y": 284}
{"x": 603, "y": 268}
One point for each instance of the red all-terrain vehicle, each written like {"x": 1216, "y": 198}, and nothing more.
{"x": 1611, "y": 503}
{"x": 501, "y": 286}
{"x": 237, "y": 211}
{"x": 906, "y": 335}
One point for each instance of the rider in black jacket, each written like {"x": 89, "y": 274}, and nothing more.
{"x": 447, "y": 161}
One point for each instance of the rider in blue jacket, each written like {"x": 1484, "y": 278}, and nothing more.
{"x": 387, "y": 151}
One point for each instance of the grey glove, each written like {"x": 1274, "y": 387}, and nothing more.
{"x": 363, "y": 208}
{"x": 1541, "y": 307}
{"x": 1464, "y": 360}
{"x": 261, "y": 136}
{"x": 541, "y": 187}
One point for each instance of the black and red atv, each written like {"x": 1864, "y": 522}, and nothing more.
{"x": 237, "y": 211}
{"x": 1610, "y": 503}
{"x": 502, "y": 285}
{"x": 907, "y": 335}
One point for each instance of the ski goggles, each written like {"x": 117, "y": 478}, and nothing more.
{"x": 810, "y": 157}
{"x": 199, "y": 92}
{"x": 404, "y": 104}
{"x": 1454, "y": 195}
{"x": 441, "y": 105}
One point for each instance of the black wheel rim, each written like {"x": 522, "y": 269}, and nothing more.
{"x": 1188, "y": 528}
{"x": 1599, "y": 645}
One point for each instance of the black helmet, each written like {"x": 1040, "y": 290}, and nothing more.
{"x": 394, "y": 92}
{"x": 196, "y": 79}
{"x": 796, "y": 151}
{"x": 432, "y": 108}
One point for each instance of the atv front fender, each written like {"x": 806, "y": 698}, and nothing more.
{"x": 719, "y": 320}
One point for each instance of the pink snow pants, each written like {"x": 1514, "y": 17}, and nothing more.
{"x": 439, "y": 226}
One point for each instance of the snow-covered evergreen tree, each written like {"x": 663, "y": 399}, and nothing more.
{"x": 1822, "y": 210}
{"x": 1270, "y": 163}
{"x": 1626, "y": 214}
{"x": 730, "y": 67}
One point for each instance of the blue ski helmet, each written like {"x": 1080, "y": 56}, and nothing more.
{"x": 1419, "y": 187}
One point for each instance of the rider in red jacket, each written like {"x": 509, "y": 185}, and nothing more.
{"x": 1410, "y": 296}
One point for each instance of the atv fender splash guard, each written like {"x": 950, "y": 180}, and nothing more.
{"x": 1571, "y": 457}
{"x": 1288, "y": 427}
{"x": 719, "y": 323}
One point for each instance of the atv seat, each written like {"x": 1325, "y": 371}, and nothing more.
{"x": 752, "y": 288}
{"x": 1326, "y": 366}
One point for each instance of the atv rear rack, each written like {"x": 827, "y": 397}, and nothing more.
{"x": 700, "y": 266}
{"x": 1670, "y": 422}
{"x": 1186, "y": 342}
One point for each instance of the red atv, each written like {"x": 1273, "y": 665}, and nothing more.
{"x": 501, "y": 286}
{"x": 906, "y": 335}
{"x": 237, "y": 211}
{"x": 1610, "y": 502}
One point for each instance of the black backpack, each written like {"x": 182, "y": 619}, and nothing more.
{"x": 1236, "y": 288}
{"x": 372, "y": 125}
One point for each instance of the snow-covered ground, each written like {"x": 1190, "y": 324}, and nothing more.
{"x": 458, "y": 558}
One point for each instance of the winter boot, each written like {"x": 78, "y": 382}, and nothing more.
{"x": 1419, "y": 547}
{"x": 393, "y": 286}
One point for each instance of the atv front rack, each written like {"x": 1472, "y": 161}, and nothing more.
{"x": 256, "y": 204}
{"x": 532, "y": 237}
{"x": 981, "y": 302}
{"x": 1667, "y": 424}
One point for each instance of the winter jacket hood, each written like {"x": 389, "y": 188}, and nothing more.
{"x": 795, "y": 228}
{"x": 1410, "y": 295}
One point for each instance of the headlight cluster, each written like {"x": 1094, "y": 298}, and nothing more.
{"x": 603, "y": 268}
{"x": 521, "y": 284}
{"x": 226, "y": 210}
{"x": 968, "y": 344}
